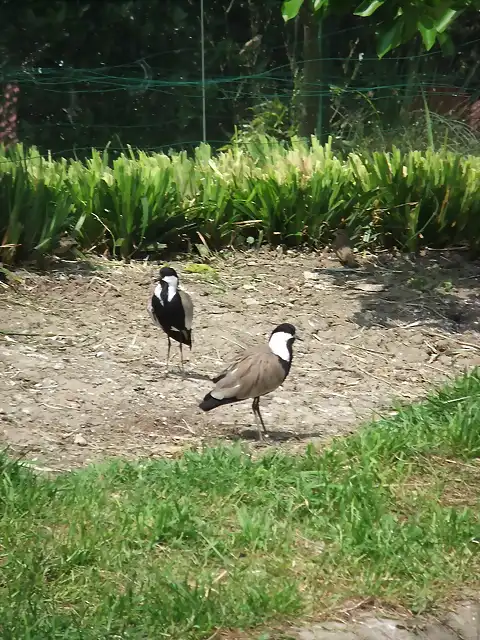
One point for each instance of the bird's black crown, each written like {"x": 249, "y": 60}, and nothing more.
{"x": 167, "y": 271}
{"x": 285, "y": 328}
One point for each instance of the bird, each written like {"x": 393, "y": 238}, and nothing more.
{"x": 341, "y": 246}
{"x": 172, "y": 310}
{"x": 65, "y": 244}
{"x": 256, "y": 372}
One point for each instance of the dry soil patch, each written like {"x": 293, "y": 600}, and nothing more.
{"x": 87, "y": 378}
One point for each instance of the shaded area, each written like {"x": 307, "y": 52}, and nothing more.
{"x": 129, "y": 73}
{"x": 271, "y": 436}
{"x": 437, "y": 290}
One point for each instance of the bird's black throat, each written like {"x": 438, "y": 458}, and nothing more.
{"x": 164, "y": 294}
{"x": 286, "y": 364}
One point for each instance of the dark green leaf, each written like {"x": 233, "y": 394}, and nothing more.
{"x": 390, "y": 38}
{"x": 446, "y": 44}
{"x": 410, "y": 26}
{"x": 318, "y": 4}
{"x": 428, "y": 36}
{"x": 427, "y": 21}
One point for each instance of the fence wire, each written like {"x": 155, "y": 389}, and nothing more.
{"x": 68, "y": 110}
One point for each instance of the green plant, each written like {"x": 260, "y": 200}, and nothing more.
{"x": 36, "y": 204}
{"x": 257, "y": 188}
{"x": 200, "y": 269}
{"x": 270, "y": 118}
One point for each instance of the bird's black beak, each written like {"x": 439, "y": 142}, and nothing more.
{"x": 297, "y": 337}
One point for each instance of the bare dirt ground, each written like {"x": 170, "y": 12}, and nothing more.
{"x": 86, "y": 380}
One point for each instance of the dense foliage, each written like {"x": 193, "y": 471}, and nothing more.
{"x": 129, "y": 72}
{"x": 266, "y": 191}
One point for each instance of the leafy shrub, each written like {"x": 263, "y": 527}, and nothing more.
{"x": 290, "y": 193}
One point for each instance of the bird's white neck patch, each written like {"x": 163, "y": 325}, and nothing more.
{"x": 278, "y": 344}
{"x": 158, "y": 292}
{"x": 172, "y": 282}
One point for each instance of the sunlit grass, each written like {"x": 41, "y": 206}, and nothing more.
{"x": 217, "y": 539}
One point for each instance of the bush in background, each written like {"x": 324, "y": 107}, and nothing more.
{"x": 256, "y": 190}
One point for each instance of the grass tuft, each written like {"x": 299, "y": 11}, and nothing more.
{"x": 218, "y": 539}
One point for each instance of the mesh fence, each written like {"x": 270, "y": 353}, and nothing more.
{"x": 132, "y": 77}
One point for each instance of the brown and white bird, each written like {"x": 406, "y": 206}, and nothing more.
{"x": 256, "y": 372}
{"x": 341, "y": 246}
{"x": 172, "y": 310}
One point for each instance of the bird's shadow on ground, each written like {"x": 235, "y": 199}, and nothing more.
{"x": 271, "y": 436}
{"x": 189, "y": 375}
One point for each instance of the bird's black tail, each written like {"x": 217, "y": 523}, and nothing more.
{"x": 209, "y": 403}
{"x": 187, "y": 334}
{"x": 184, "y": 336}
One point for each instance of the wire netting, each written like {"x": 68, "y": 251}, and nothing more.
{"x": 86, "y": 75}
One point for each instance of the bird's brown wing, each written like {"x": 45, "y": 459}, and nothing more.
{"x": 187, "y": 305}
{"x": 341, "y": 246}
{"x": 151, "y": 313}
{"x": 245, "y": 354}
{"x": 256, "y": 373}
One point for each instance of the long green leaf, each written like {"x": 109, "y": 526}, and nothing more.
{"x": 390, "y": 38}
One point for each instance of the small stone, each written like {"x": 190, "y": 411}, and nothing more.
{"x": 310, "y": 275}
{"x": 79, "y": 440}
{"x": 370, "y": 287}
{"x": 250, "y": 302}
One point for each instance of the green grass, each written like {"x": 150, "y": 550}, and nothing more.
{"x": 216, "y": 539}
{"x": 260, "y": 191}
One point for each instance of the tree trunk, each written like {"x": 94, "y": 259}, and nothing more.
{"x": 311, "y": 72}
{"x": 314, "y": 117}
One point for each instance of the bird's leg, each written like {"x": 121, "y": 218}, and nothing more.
{"x": 261, "y": 419}
{"x": 181, "y": 356}
{"x": 257, "y": 414}
{"x": 168, "y": 352}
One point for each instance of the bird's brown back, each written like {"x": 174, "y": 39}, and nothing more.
{"x": 341, "y": 246}
{"x": 256, "y": 372}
